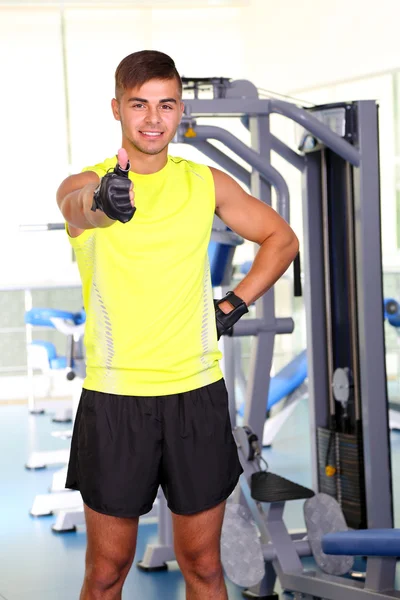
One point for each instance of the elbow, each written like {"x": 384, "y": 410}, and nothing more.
{"x": 285, "y": 243}
{"x": 288, "y": 246}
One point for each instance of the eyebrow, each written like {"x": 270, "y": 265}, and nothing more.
{"x": 135, "y": 99}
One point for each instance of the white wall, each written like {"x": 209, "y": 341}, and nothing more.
{"x": 296, "y": 44}
{"x": 33, "y": 134}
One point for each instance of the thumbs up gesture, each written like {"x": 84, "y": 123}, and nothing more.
{"x": 114, "y": 196}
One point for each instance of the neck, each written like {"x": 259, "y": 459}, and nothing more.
{"x": 145, "y": 164}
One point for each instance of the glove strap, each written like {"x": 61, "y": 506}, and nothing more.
{"x": 236, "y": 302}
{"x": 225, "y": 321}
{"x": 122, "y": 172}
{"x": 95, "y": 203}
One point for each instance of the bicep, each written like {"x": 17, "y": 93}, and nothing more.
{"x": 246, "y": 215}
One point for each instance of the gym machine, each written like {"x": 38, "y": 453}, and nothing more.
{"x": 339, "y": 161}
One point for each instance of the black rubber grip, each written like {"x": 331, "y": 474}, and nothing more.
{"x": 298, "y": 292}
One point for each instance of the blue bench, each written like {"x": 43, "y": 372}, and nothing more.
{"x": 45, "y": 317}
{"x": 286, "y": 381}
{"x": 55, "y": 361}
{"x": 42, "y": 317}
{"x": 364, "y": 542}
{"x": 221, "y": 249}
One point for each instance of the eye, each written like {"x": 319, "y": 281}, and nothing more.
{"x": 138, "y": 105}
{"x": 166, "y": 107}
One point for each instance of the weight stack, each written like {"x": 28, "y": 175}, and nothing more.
{"x": 347, "y": 486}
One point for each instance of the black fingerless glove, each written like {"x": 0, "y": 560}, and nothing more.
{"x": 112, "y": 195}
{"x": 224, "y": 321}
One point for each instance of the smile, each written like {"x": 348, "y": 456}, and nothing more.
{"x": 152, "y": 134}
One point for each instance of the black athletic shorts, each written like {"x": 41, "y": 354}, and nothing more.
{"x": 124, "y": 447}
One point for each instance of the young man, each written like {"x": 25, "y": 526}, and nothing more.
{"x": 154, "y": 408}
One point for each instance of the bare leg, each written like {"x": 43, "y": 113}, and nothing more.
{"x": 197, "y": 549}
{"x": 110, "y": 552}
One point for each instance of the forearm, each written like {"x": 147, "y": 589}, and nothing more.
{"x": 272, "y": 260}
{"x": 76, "y": 209}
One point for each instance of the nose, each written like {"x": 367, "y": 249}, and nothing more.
{"x": 152, "y": 116}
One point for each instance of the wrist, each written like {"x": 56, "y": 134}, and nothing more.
{"x": 86, "y": 201}
{"x": 241, "y": 293}
{"x": 97, "y": 218}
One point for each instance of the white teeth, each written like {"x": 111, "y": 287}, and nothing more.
{"x": 151, "y": 133}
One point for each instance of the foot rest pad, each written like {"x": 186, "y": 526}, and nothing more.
{"x": 241, "y": 552}
{"x": 323, "y": 515}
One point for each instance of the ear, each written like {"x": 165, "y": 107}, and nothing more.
{"x": 115, "y": 109}
{"x": 182, "y": 108}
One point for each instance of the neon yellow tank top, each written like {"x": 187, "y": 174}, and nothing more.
{"x": 150, "y": 328}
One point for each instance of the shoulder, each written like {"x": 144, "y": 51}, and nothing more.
{"x": 226, "y": 187}
{"x": 222, "y": 179}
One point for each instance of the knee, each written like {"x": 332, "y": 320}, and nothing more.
{"x": 206, "y": 568}
{"x": 103, "y": 575}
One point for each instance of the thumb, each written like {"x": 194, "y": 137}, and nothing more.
{"x": 123, "y": 158}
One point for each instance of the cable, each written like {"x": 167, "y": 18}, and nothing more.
{"x": 269, "y": 93}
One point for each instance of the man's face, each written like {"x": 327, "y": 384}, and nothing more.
{"x": 150, "y": 114}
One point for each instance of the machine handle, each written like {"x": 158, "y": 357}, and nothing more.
{"x": 298, "y": 292}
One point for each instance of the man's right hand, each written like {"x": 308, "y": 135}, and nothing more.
{"x": 114, "y": 195}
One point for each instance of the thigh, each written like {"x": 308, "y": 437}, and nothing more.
{"x": 197, "y": 536}
{"x": 110, "y": 540}
{"x": 200, "y": 464}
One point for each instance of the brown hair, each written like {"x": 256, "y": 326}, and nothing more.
{"x": 138, "y": 68}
